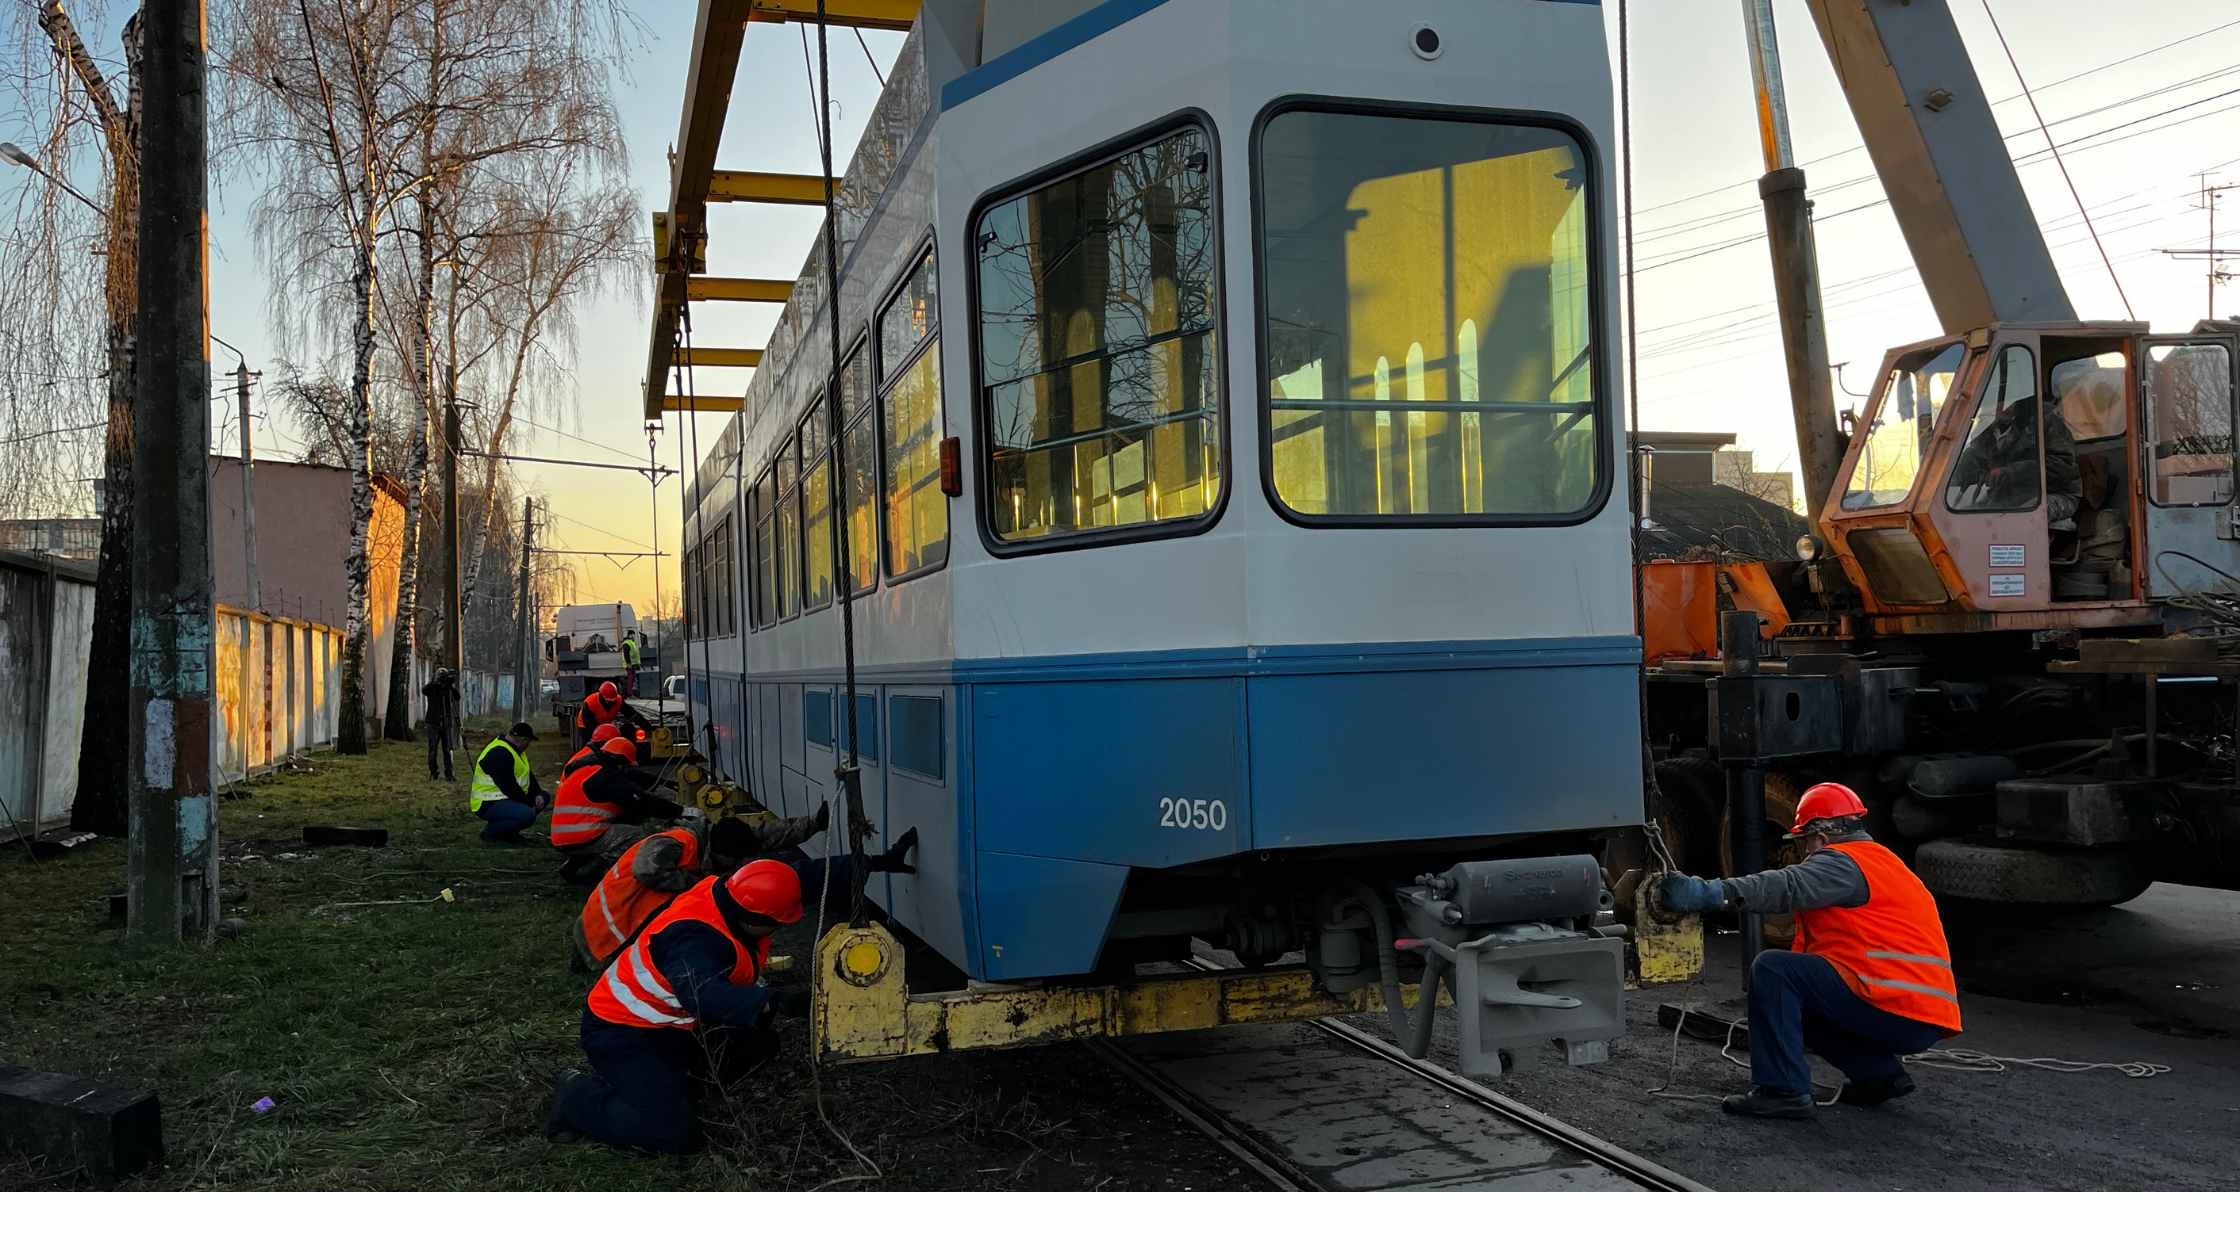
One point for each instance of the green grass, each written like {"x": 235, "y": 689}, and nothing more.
{"x": 410, "y": 1046}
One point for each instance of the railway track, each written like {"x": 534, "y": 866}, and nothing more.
{"x": 1324, "y": 1106}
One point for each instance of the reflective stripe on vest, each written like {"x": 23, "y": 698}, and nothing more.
{"x": 482, "y": 789}
{"x": 1891, "y": 951}
{"x": 576, "y": 818}
{"x": 633, "y": 993}
{"x": 620, "y": 904}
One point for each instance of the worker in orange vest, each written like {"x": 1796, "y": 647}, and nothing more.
{"x": 657, "y": 868}
{"x": 1869, "y": 979}
{"x": 600, "y": 707}
{"x": 592, "y": 800}
{"x": 592, "y": 751}
{"x": 684, "y": 1004}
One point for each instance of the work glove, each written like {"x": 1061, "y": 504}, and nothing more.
{"x": 824, "y": 817}
{"x": 1685, "y": 894}
{"x": 791, "y": 1003}
{"x": 896, "y": 860}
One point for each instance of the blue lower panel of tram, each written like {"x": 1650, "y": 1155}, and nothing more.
{"x": 1037, "y": 784}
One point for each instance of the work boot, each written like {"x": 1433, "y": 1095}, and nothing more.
{"x": 1876, "y": 1093}
{"x": 1762, "y": 1104}
{"x": 556, "y": 1128}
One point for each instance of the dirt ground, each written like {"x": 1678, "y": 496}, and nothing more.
{"x": 409, "y": 1045}
{"x": 2157, "y": 980}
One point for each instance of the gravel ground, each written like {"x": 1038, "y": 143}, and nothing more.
{"x": 2157, "y": 980}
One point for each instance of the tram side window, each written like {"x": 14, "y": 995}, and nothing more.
{"x": 765, "y": 550}
{"x": 816, "y": 512}
{"x": 862, "y": 492}
{"x": 1098, "y": 364}
{"x": 789, "y": 529}
{"x": 911, "y": 427}
{"x": 1444, "y": 265}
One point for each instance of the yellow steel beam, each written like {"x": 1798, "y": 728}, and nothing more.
{"x": 717, "y": 356}
{"x": 768, "y": 188}
{"x": 863, "y": 1010}
{"x": 718, "y": 31}
{"x": 701, "y": 402}
{"x": 876, "y": 15}
{"x": 735, "y": 289}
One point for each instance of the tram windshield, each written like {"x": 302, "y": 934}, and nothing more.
{"x": 1905, "y": 418}
{"x": 1428, "y": 318}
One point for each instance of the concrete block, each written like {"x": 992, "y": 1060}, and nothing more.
{"x": 2082, "y": 813}
{"x": 71, "y": 1124}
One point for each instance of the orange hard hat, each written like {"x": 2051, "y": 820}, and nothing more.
{"x": 1826, "y": 800}
{"x": 609, "y": 692}
{"x": 622, "y": 748}
{"x": 604, "y": 732}
{"x": 770, "y": 889}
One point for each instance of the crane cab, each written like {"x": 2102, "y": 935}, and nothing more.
{"x": 2040, "y": 476}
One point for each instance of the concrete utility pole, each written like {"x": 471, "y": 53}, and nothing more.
{"x": 241, "y": 376}
{"x": 1796, "y": 270}
{"x": 455, "y": 629}
{"x": 171, "y": 855}
{"x": 524, "y": 671}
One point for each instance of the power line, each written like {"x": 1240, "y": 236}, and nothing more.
{"x": 75, "y": 428}
{"x": 2085, "y": 73}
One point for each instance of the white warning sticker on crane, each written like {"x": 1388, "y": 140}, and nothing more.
{"x": 2003, "y": 584}
{"x": 2009, "y": 556}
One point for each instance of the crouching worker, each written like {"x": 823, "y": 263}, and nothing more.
{"x": 683, "y": 1006}
{"x": 592, "y": 751}
{"x": 650, "y": 872}
{"x": 1869, "y": 978}
{"x": 504, "y": 792}
{"x": 593, "y": 799}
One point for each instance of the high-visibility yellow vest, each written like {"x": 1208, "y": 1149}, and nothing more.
{"x": 483, "y": 791}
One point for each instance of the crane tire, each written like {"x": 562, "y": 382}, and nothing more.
{"x": 2043, "y": 877}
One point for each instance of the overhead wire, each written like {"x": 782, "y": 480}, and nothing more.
{"x": 1860, "y": 148}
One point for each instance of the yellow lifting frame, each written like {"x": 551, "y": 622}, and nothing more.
{"x": 722, "y": 403}
{"x": 735, "y": 289}
{"x": 874, "y": 15}
{"x": 717, "y": 357}
{"x": 768, "y": 188}
{"x": 863, "y": 1011}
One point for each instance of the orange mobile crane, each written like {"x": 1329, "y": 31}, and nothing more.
{"x": 2014, "y": 626}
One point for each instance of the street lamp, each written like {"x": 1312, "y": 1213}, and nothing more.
{"x": 11, "y": 153}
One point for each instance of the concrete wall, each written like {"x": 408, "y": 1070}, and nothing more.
{"x": 276, "y": 693}
{"x": 36, "y": 661}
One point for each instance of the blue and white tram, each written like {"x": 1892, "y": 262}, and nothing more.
{"x": 1280, "y": 541}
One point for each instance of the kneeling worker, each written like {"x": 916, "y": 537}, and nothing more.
{"x": 666, "y": 863}
{"x": 684, "y": 1004}
{"x": 504, "y": 791}
{"x": 592, "y": 751}
{"x": 1869, "y": 979}
{"x": 594, "y": 797}
{"x": 603, "y": 705}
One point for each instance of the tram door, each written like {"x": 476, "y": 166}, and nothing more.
{"x": 2187, "y": 402}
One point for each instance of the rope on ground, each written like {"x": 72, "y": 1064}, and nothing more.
{"x": 1953, "y": 1060}
{"x": 1963, "y": 1060}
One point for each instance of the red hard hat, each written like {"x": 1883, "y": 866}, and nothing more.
{"x": 604, "y": 732}
{"x": 622, "y": 748}
{"x": 1826, "y": 800}
{"x": 609, "y": 692}
{"x": 770, "y": 889}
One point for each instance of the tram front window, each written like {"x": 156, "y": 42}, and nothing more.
{"x": 1429, "y": 318}
{"x": 1904, "y": 421}
{"x": 1098, "y": 366}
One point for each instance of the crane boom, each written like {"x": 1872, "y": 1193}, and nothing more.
{"x": 1937, "y": 148}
